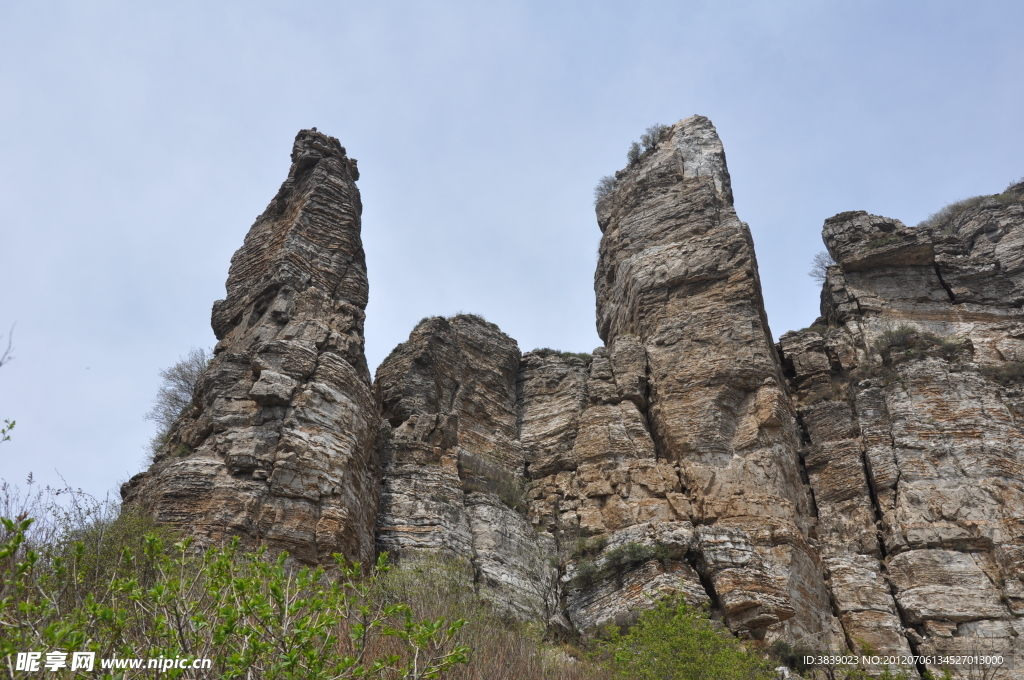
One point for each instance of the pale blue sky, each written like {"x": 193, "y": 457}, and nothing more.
{"x": 139, "y": 140}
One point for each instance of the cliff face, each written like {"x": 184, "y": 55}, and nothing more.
{"x": 909, "y": 394}
{"x": 453, "y": 466}
{"x": 861, "y": 484}
{"x": 279, "y": 446}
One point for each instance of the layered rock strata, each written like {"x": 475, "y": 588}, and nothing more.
{"x": 453, "y": 467}
{"x": 860, "y": 485}
{"x": 279, "y": 446}
{"x": 909, "y": 392}
{"x": 677, "y": 275}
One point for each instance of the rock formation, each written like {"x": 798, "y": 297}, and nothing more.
{"x": 453, "y": 466}
{"x": 280, "y": 444}
{"x": 908, "y": 389}
{"x": 859, "y": 485}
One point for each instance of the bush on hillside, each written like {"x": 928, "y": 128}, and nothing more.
{"x": 675, "y": 641}
{"x": 250, "y": 613}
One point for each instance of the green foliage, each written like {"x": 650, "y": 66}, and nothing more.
{"x": 585, "y": 357}
{"x": 944, "y": 219}
{"x": 479, "y": 474}
{"x": 648, "y": 141}
{"x": 616, "y": 563}
{"x": 903, "y": 344}
{"x": 652, "y": 135}
{"x": 675, "y": 642}
{"x": 252, "y": 614}
{"x": 588, "y": 547}
{"x": 8, "y": 426}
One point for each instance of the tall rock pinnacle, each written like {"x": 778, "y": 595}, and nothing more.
{"x": 280, "y": 444}
{"x": 677, "y": 273}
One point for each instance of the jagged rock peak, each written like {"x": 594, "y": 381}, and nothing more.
{"x": 279, "y": 446}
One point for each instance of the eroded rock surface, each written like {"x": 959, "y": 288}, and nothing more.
{"x": 909, "y": 391}
{"x": 280, "y": 444}
{"x": 860, "y": 485}
{"x": 677, "y": 275}
{"x": 453, "y": 468}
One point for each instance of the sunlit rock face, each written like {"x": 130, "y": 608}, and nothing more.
{"x": 909, "y": 390}
{"x": 280, "y": 445}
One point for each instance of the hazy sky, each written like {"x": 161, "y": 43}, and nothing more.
{"x": 139, "y": 141}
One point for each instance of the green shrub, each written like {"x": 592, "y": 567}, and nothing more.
{"x": 588, "y": 547}
{"x": 648, "y": 141}
{"x": 586, "y": 357}
{"x": 652, "y": 135}
{"x": 943, "y": 219}
{"x": 251, "y": 614}
{"x": 633, "y": 155}
{"x": 906, "y": 342}
{"x": 675, "y": 642}
{"x": 1007, "y": 372}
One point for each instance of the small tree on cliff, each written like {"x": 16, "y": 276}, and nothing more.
{"x": 819, "y": 266}
{"x": 176, "y": 393}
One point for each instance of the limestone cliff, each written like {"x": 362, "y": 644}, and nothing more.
{"x": 279, "y": 446}
{"x": 860, "y": 484}
{"x": 909, "y": 393}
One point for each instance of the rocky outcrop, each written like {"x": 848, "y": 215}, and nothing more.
{"x": 453, "y": 467}
{"x": 677, "y": 274}
{"x": 860, "y": 485}
{"x": 909, "y": 395}
{"x": 279, "y": 446}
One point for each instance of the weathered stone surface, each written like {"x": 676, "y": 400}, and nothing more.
{"x": 914, "y": 365}
{"x": 677, "y": 272}
{"x": 280, "y": 445}
{"x": 618, "y": 598}
{"x": 859, "y": 485}
{"x": 454, "y": 469}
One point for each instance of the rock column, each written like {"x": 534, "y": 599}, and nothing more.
{"x": 677, "y": 274}
{"x": 279, "y": 447}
